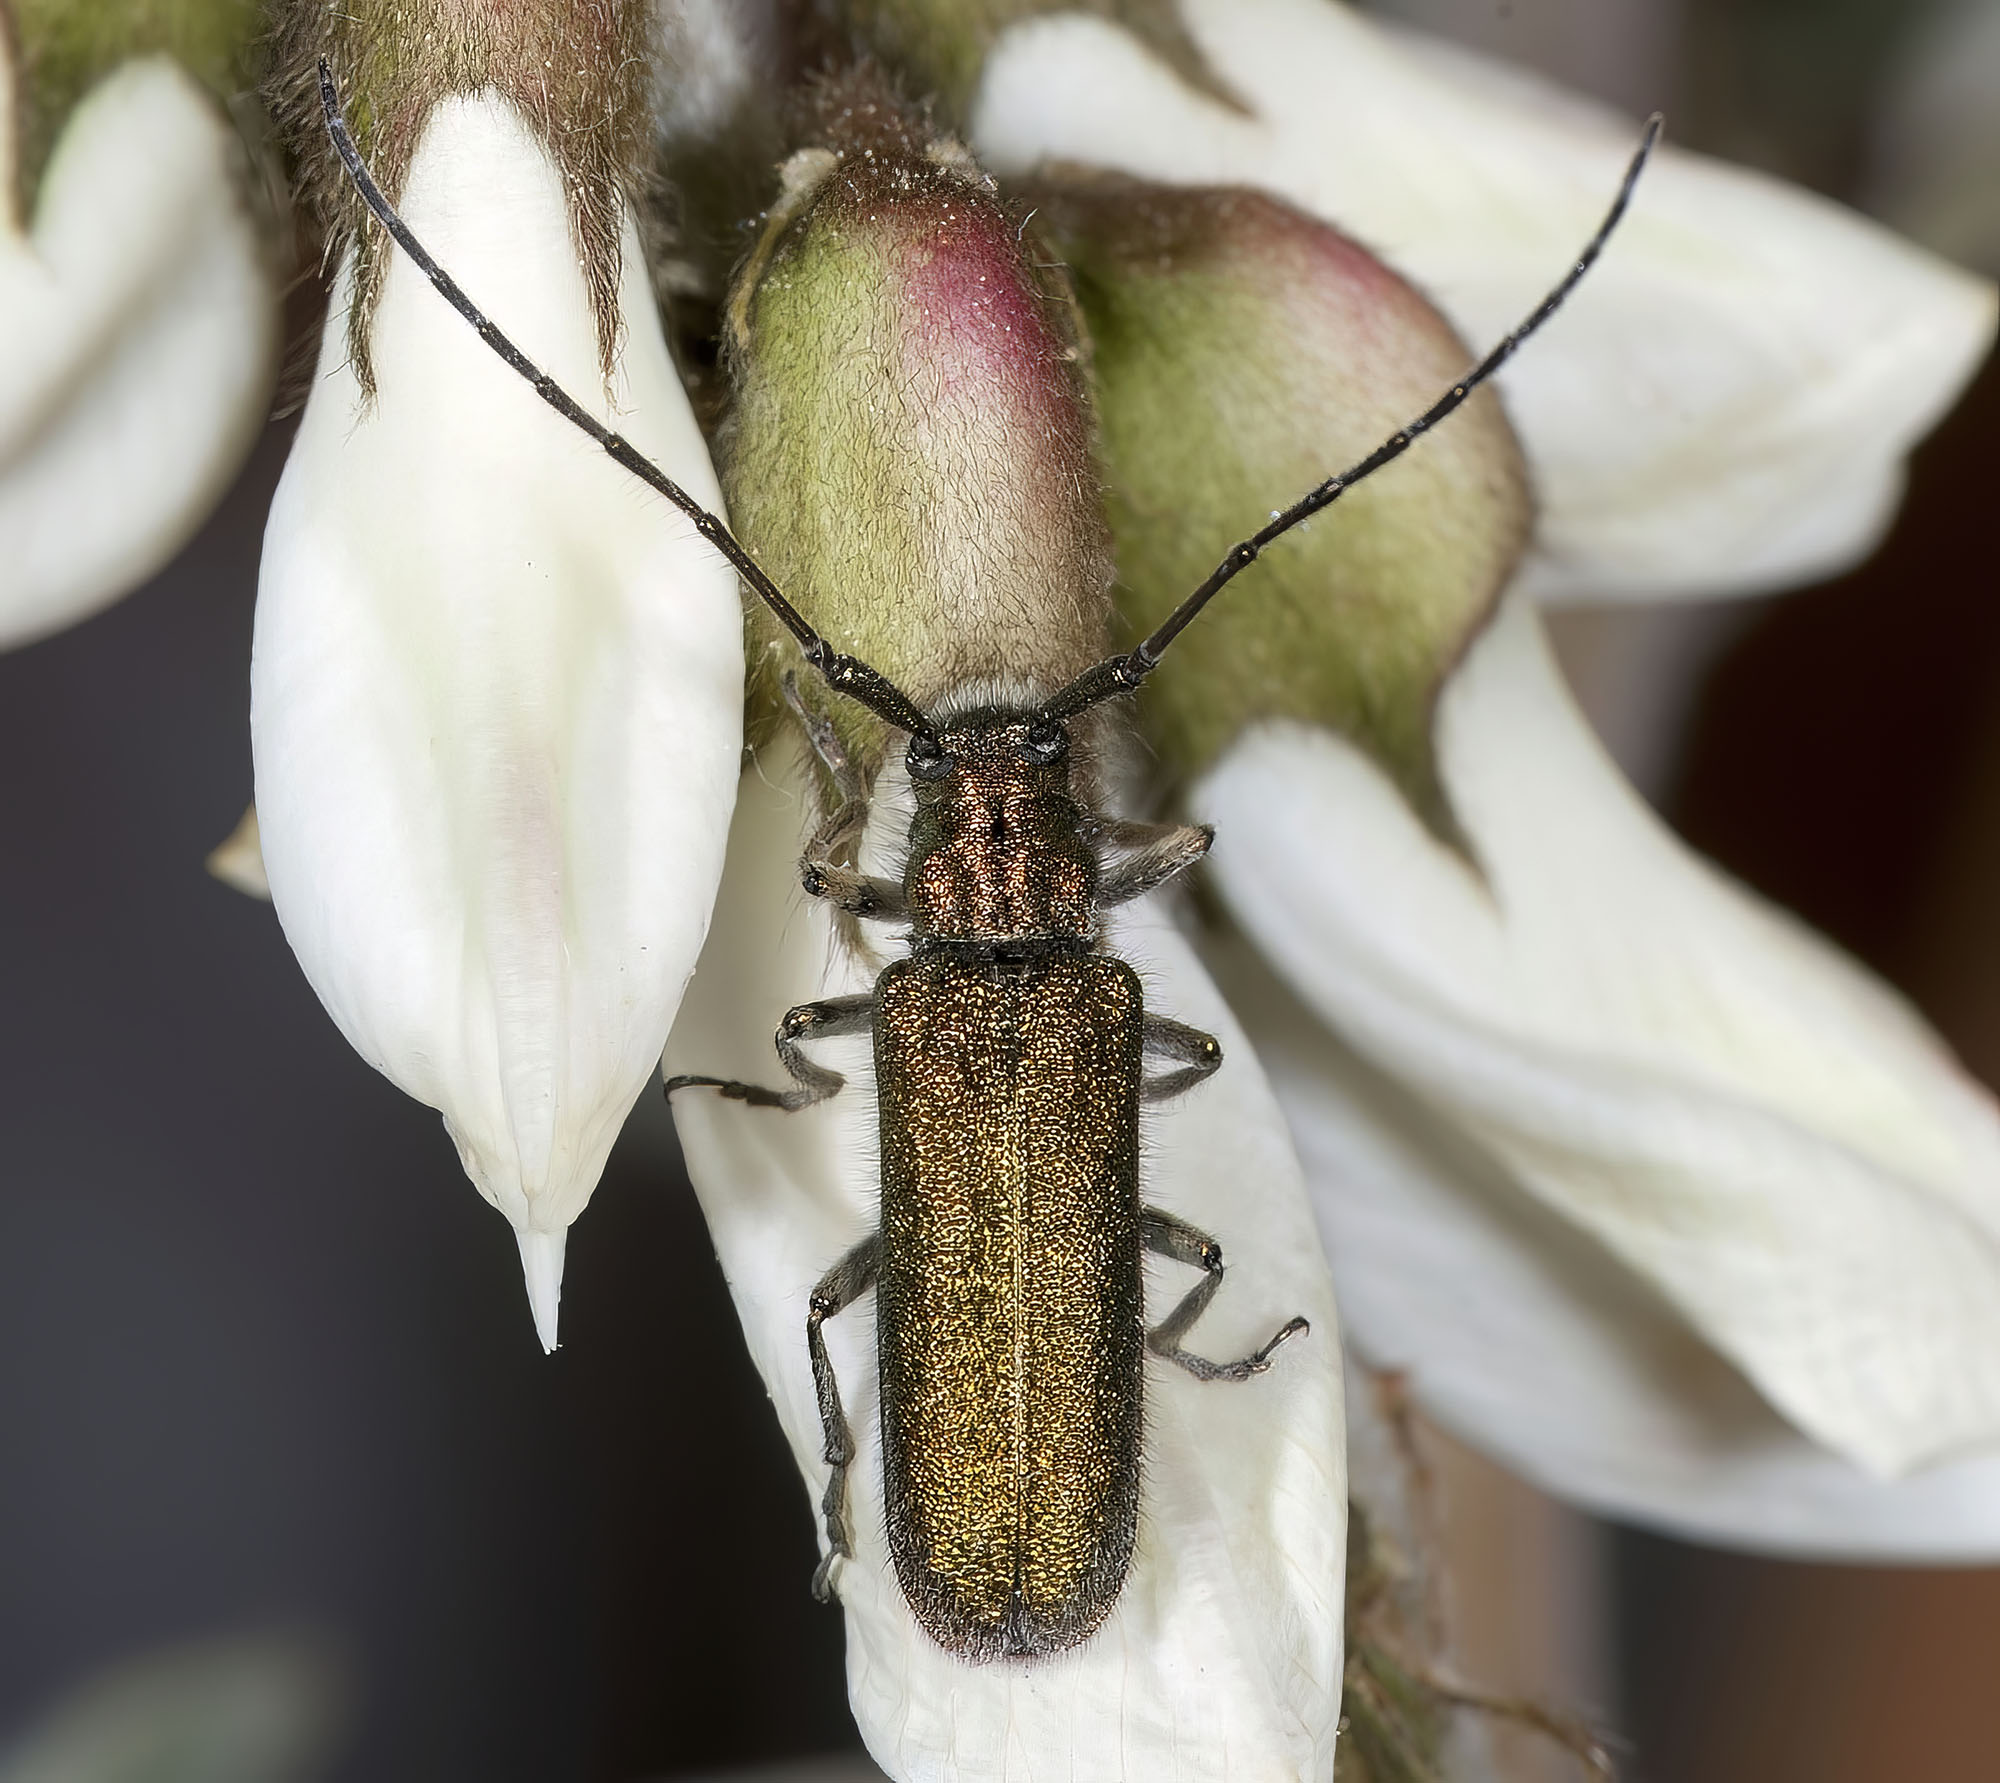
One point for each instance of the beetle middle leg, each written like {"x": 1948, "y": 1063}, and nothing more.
{"x": 838, "y": 1289}
{"x": 1197, "y": 1056}
{"x": 815, "y": 1083}
{"x": 1167, "y": 1236}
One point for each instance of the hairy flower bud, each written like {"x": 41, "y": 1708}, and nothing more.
{"x": 910, "y": 455}
{"x": 1244, "y": 352}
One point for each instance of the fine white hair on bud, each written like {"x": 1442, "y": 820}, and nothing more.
{"x": 138, "y": 328}
{"x": 497, "y": 691}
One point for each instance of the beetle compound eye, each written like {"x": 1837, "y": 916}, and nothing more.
{"x": 927, "y": 758}
{"x": 1045, "y": 742}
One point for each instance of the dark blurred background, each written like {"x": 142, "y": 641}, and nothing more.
{"x": 265, "y": 1359}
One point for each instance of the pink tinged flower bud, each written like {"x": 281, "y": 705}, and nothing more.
{"x": 1244, "y": 352}
{"x": 909, "y": 455}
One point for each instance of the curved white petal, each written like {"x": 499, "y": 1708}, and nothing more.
{"x": 1223, "y": 1655}
{"x": 1526, "y": 1338}
{"x": 1729, "y": 1105}
{"x": 496, "y": 693}
{"x": 138, "y": 328}
{"x": 1724, "y": 404}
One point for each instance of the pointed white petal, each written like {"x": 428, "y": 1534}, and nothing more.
{"x": 138, "y": 328}
{"x": 542, "y": 1266}
{"x": 238, "y": 860}
{"x": 1725, "y": 403}
{"x": 1223, "y": 1654}
{"x": 1521, "y": 1334}
{"x": 1731, "y": 1107}
{"x": 496, "y": 691}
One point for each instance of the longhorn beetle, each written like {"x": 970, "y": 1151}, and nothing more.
{"x": 1009, "y": 1058}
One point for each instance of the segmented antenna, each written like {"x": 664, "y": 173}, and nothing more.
{"x": 1121, "y": 674}
{"x": 844, "y": 674}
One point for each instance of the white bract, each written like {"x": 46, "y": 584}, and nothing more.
{"x": 1724, "y": 405}
{"x": 138, "y": 329}
{"x": 1223, "y": 1655}
{"x": 497, "y": 692}
{"x": 1736, "y": 1112}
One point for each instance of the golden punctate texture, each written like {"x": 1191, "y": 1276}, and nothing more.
{"x": 1009, "y": 1303}
{"x": 1242, "y": 353}
{"x": 909, "y": 455}
{"x": 579, "y": 72}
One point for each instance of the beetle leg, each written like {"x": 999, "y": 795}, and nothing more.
{"x": 838, "y": 1289}
{"x": 821, "y": 871}
{"x": 809, "y": 1021}
{"x": 1197, "y": 1054}
{"x": 1159, "y": 853}
{"x": 1175, "y": 1238}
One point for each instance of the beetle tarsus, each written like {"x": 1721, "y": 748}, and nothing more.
{"x": 1169, "y": 1236}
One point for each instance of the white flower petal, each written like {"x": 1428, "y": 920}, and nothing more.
{"x": 1526, "y": 1338}
{"x": 138, "y": 329}
{"x": 1223, "y": 1655}
{"x": 1724, "y": 404}
{"x": 1729, "y": 1105}
{"x": 496, "y": 693}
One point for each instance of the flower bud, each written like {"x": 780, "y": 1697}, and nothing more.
{"x": 1243, "y": 353}
{"x": 910, "y": 453}
{"x": 138, "y": 317}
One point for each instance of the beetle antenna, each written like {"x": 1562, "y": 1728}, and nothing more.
{"x": 1121, "y": 674}
{"x": 844, "y": 674}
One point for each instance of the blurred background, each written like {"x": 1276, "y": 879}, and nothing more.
{"x": 267, "y": 1377}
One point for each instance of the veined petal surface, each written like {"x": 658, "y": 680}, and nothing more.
{"x": 1729, "y": 1106}
{"x": 138, "y": 328}
{"x": 1725, "y": 403}
{"x": 1526, "y": 1338}
{"x": 1222, "y": 1657}
{"x": 497, "y": 693}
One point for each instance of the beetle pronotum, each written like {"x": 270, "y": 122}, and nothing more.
{"x": 1009, "y": 1056}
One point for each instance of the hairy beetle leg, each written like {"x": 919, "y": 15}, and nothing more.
{"x": 1197, "y": 1055}
{"x": 1175, "y": 1238}
{"x": 838, "y": 1289}
{"x": 809, "y": 1021}
{"x": 1160, "y": 852}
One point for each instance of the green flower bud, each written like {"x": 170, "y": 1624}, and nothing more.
{"x": 1244, "y": 352}
{"x": 941, "y": 45}
{"x": 68, "y": 46}
{"x": 910, "y": 451}
{"x": 577, "y": 70}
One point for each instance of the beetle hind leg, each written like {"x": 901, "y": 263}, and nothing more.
{"x": 1175, "y": 1238}
{"x": 812, "y": 1082}
{"x": 838, "y": 1289}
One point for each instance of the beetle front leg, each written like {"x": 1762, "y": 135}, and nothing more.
{"x": 809, "y": 1021}
{"x": 1160, "y": 852}
{"x": 821, "y": 871}
{"x": 838, "y": 1289}
{"x": 1167, "y": 1236}
{"x": 1197, "y": 1054}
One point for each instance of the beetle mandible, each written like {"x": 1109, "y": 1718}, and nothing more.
{"x": 1010, "y": 1052}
